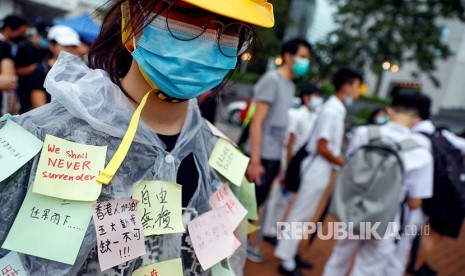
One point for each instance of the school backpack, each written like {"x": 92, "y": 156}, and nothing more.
{"x": 292, "y": 177}
{"x": 449, "y": 179}
{"x": 368, "y": 186}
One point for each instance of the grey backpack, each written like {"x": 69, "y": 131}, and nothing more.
{"x": 368, "y": 187}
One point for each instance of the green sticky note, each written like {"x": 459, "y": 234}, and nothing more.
{"x": 69, "y": 170}
{"x": 166, "y": 268}
{"x": 160, "y": 207}
{"x": 17, "y": 146}
{"x": 228, "y": 161}
{"x": 222, "y": 268}
{"x": 248, "y": 200}
{"x": 49, "y": 228}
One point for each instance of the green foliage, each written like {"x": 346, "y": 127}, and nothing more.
{"x": 398, "y": 31}
{"x": 375, "y": 100}
{"x": 328, "y": 89}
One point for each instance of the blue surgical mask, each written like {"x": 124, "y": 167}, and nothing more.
{"x": 43, "y": 43}
{"x": 181, "y": 69}
{"x": 315, "y": 104}
{"x": 348, "y": 101}
{"x": 381, "y": 120}
{"x": 301, "y": 67}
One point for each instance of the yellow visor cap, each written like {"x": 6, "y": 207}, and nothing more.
{"x": 255, "y": 12}
{"x": 363, "y": 89}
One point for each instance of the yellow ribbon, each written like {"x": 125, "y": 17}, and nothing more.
{"x": 107, "y": 175}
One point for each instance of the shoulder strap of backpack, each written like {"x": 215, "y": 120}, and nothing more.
{"x": 407, "y": 144}
{"x": 374, "y": 133}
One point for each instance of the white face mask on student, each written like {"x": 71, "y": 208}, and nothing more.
{"x": 315, "y": 104}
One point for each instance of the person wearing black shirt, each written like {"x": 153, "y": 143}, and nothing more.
{"x": 12, "y": 27}
{"x": 31, "y": 91}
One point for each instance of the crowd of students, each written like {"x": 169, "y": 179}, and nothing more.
{"x": 315, "y": 134}
{"x": 27, "y": 54}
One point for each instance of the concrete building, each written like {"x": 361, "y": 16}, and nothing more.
{"x": 312, "y": 19}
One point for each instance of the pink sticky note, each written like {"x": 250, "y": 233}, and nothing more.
{"x": 224, "y": 197}
{"x": 120, "y": 235}
{"x": 218, "y": 133}
{"x": 212, "y": 238}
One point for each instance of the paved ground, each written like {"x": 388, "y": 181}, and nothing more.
{"x": 449, "y": 259}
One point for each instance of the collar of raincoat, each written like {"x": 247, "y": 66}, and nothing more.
{"x": 90, "y": 95}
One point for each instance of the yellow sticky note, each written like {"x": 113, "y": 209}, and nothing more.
{"x": 251, "y": 228}
{"x": 166, "y": 268}
{"x": 68, "y": 170}
{"x": 228, "y": 161}
{"x": 248, "y": 200}
{"x": 160, "y": 207}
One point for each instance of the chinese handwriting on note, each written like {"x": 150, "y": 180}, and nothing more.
{"x": 17, "y": 146}
{"x": 224, "y": 197}
{"x": 165, "y": 268}
{"x": 161, "y": 207}
{"x": 64, "y": 222}
{"x": 209, "y": 233}
{"x": 120, "y": 235}
{"x": 225, "y": 158}
{"x": 10, "y": 265}
{"x": 52, "y": 216}
{"x": 228, "y": 161}
{"x": 9, "y": 271}
{"x": 163, "y": 218}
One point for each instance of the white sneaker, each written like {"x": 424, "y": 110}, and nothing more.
{"x": 254, "y": 254}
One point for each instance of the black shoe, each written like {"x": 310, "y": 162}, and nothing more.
{"x": 302, "y": 264}
{"x": 284, "y": 271}
{"x": 272, "y": 240}
{"x": 411, "y": 270}
{"x": 425, "y": 270}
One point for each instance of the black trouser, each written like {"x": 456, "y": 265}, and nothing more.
{"x": 271, "y": 171}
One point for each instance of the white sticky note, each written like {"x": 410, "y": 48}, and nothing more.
{"x": 17, "y": 146}
{"x": 11, "y": 265}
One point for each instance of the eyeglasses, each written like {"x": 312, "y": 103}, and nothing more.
{"x": 234, "y": 38}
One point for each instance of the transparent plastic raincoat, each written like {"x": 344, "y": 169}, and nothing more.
{"x": 88, "y": 108}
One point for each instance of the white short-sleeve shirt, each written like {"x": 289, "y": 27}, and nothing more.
{"x": 428, "y": 127}
{"x": 329, "y": 126}
{"x": 301, "y": 124}
{"x": 315, "y": 169}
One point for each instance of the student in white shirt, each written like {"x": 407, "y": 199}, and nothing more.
{"x": 376, "y": 257}
{"x": 443, "y": 226}
{"x": 301, "y": 124}
{"x": 325, "y": 152}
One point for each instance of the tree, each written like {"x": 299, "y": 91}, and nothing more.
{"x": 374, "y": 31}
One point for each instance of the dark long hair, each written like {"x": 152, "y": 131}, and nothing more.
{"x": 108, "y": 52}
